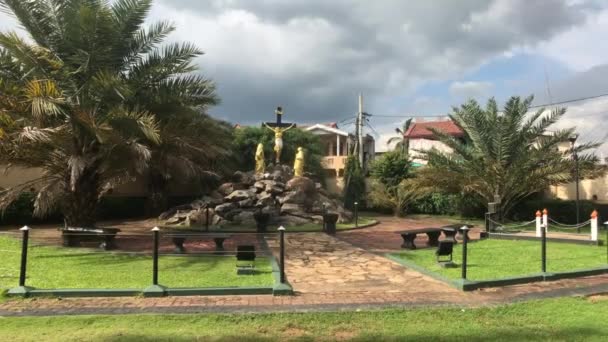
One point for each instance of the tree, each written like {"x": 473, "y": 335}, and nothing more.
{"x": 392, "y": 186}
{"x": 354, "y": 183}
{"x": 75, "y": 92}
{"x": 246, "y": 140}
{"x": 504, "y": 156}
{"x": 402, "y": 142}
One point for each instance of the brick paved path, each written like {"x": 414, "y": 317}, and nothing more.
{"x": 328, "y": 274}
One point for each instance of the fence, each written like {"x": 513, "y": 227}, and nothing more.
{"x": 525, "y": 261}
{"x": 161, "y": 262}
{"x": 543, "y": 220}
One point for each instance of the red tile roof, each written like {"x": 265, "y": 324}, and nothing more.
{"x": 419, "y": 130}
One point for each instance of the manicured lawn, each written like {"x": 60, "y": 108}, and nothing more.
{"x": 56, "y": 267}
{"x": 567, "y": 319}
{"x": 494, "y": 259}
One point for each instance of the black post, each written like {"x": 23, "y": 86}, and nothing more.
{"x": 282, "y": 253}
{"x": 207, "y": 217}
{"x": 356, "y": 214}
{"x": 576, "y": 176}
{"x": 465, "y": 242}
{"x": 24, "y": 243}
{"x": 155, "y": 232}
{"x": 543, "y": 234}
{"x": 606, "y": 241}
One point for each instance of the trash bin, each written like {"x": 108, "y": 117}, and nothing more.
{"x": 329, "y": 223}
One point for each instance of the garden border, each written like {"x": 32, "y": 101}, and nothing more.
{"x": 276, "y": 289}
{"x": 508, "y": 236}
{"x": 470, "y": 285}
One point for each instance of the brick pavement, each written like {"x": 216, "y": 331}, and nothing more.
{"x": 328, "y": 274}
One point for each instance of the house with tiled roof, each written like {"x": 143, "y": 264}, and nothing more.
{"x": 421, "y": 138}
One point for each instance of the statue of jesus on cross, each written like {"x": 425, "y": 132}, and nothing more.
{"x": 278, "y": 128}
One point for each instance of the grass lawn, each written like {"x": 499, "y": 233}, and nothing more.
{"x": 494, "y": 259}
{"x": 566, "y": 319}
{"x": 56, "y": 267}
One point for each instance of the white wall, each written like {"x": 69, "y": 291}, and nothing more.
{"x": 425, "y": 144}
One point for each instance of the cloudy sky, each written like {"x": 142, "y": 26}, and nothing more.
{"x": 408, "y": 58}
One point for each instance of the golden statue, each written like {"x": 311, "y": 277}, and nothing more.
{"x": 298, "y": 165}
{"x": 278, "y": 139}
{"x": 260, "y": 165}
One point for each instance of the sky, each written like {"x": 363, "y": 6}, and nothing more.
{"x": 407, "y": 58}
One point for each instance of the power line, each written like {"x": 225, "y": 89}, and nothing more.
{"x": 570, "y": 101}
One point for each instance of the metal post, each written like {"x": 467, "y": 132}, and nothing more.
{"x": 606, "y": 241}
{"x": 465, "y": 242}
{"x": 282, "y": 253}
{"x": 544, "y": 248}
{"x": 576, "y": 175}
{"x": 24, "y": 242}
{"x": 207, "y": 217}
{"x": 356, "y": 214}
{"x": 155, "y": 233}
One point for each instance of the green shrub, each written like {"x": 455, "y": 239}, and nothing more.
{"x": 448, "y": 204}
{"x": 563, "y": 211}
{"x": 20, "y": 212}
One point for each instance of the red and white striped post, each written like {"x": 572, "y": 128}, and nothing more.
{"x": 546, "y": 220}
{"x": 539, "y": 223}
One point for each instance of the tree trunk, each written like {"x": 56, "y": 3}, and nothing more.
{"x": 158, "y": 200}
{"x": 79, "y": 206}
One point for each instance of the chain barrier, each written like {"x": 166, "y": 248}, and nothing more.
{"x": 569, "y": 226}
{"x": 504, "y": 225}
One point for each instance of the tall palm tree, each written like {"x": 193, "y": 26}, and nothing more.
{"x": 402, "y": 142}
{"x": 74, "y": 95}
{"x": 505, "y": 156}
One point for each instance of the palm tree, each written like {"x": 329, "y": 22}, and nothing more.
{"x": 194, "y": 147}
{"x": 74, "y": 94}
{"x": 505, "y": 156}
{"x": 402, "y": 142}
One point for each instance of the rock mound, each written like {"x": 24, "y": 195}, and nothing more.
{"x": 289, "y": 200}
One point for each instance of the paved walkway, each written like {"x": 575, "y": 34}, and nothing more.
{"x": 327, "y": 273}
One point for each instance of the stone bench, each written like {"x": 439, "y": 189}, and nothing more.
{"x": 73, "y": 236}
{"x": 410, "y": 235}
{"x": 179, "y": 236}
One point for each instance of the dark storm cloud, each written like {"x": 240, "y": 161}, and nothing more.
{"x": 314, "y": 56}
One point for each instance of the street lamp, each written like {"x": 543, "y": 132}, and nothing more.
{"x": 572, "y": 140}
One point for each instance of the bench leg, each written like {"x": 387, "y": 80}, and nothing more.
{"x": 408, "y": 241}
{"x": 70, "y": 240}
{"x": 108, "y": 243}
{"x": 219, "y": 245}
{"x": 433, "y": 238}
{"x": 450, "y": 235}
{"x": 179, "y": 245}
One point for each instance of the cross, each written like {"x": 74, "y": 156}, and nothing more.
{"x": 279, "y": 113}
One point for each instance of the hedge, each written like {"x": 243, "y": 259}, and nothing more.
{"x": 563, "y": 211}
{"x": 448, "y": 204}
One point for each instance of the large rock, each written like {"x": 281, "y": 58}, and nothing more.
{"x": 294, "y": 197}
{"x": 224, "y": 208}
{"x": 301, "y": 184}
{"x": 244, "y": 217}
{"x": 289, "y": 220}
{"x": 247, "y": 203}
{"x": 293, "y": 209}
{"x": 239, "y": 195}
{"x": 199, "y": 217}
{"x": 265, "y": 199}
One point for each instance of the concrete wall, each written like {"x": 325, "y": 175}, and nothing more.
{"x": 587, "y": 189}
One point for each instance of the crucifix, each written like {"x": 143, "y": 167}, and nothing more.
{"x": 278, "y": 128}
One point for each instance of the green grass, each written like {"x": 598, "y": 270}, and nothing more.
{"x": 495, "y": 259}
{"x": 57, "y": 267}
{"x": 567, "y": 319}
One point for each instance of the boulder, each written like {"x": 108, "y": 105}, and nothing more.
{"x": 301, "y": 184}
{"x": 265, "y": 200}
{"x": 293, "y": 197}
{"x": 259, "y": 186}
{"x": 226, "y": 189}
{"x": 278, "y": 176}
{"x": 167, "y": 214}
{"x": 239, "y": 195}
{"x": 224, "y": 208}
{"x": 244, "y": 217}
{"x": 217, "y": 220}
{"x": 246, "y": 178}
{"x": 246, "y": 203}
{"x": 199, "y": 217}
{"x": 231, "y": 214}
{"x": 293, "y": 209}
{"x": 289, "y": 220}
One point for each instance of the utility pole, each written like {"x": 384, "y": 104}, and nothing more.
{"x": 360, "y": 130}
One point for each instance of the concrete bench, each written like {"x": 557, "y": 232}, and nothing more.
{"x": 73, "y": 236}
{"x": 179, "y": 236}
{"x": 410, "y": 235}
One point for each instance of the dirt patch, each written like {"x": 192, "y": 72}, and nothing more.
{"x": 294, "y": 332}
{"x": 345, "y": 335}
{"x": 598, "y": 298}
